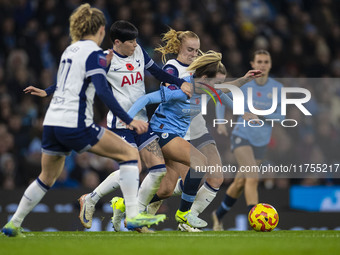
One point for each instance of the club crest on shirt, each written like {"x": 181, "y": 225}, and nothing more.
{"x": 238, "y": 140}
{"x": 102, "y": 60}
{"x": 170, "y": 70}
{"x": 138, "y": 61}
{"x": 165, "y": 135}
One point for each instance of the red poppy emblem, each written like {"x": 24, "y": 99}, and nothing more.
{"x": 129, "y": 67}
{"x": 197, "y": 101}
{"x": 258, "y": 94}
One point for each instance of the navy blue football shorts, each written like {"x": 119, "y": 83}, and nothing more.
{"x": 164, "y": 138}
{"x": 136, "y": 140}
{"x": 202, "y": 141}
{"x": 259, "y": 151}
{"x": 62, "y": 140}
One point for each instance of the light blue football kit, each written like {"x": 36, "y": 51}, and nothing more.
{"x": 254, "y": 135}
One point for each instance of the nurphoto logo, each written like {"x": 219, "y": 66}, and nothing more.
{"x": 300, "y": 97}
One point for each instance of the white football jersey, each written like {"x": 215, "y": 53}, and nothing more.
{"x": 180, "y": 68}
{"x": 72, "y": 102}
{"x": 197, "y": 126}
{"x": 126, "y": 76}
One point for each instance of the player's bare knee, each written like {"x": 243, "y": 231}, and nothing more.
{"x": 239, "y": 184}
{"x": 165, "y": 193}
{"x": 129, "y": 154}
{"x": 202, "y": 161}
{"x": 48, "y": 179}
{"x": 252, "y": 182}
{"x": 215, "y": 182}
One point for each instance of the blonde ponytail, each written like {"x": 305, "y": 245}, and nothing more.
{"x": 173, "y": 40}
{"x": 209, "y": 64}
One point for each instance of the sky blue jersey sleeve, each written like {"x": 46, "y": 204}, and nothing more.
{"x": 151, "y": 98}
{"x": 226, "y": 100}
{"x": 220, "y": 109}
{"x": 161, "y": 96}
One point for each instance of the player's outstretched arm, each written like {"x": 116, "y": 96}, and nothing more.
{"x": 220, "y": 112}
{"x": 251, "y": 116}
{"x": 249, "y": 76}
{"x": 151, "y": 98}
{"x": 160, "y": 96}
{"x": 40, "y": 92}
{"x": 187, "y": 88}
{"x": 35, "y": 91}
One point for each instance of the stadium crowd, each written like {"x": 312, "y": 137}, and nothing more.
{"x": 303, "y": 37}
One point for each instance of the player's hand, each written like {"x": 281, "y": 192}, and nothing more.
{"x": 187, "y": 88}
{"x": 35, "y": 91}
{"x": 139, "y": 126}
{"x": 251, "y": 116}
{"x": 222, "y": 130}
{"x": 109, "y": 57}
{"x": 253, "y": 74}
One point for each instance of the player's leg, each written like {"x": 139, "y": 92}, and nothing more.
{"x": 252, "y": 180}
{"x": 250, "y": 189}
{"x": 111, "y": 183}
{"x": 153, "y": 159}
{"x": 171, "y": 184}
{"x": 170, "y": 181}
{"x": 52, "y": 166}
{"x": 182, "y": 151}
{"x": 152, "y": 156}
{"x": 168, "y": 185}
{"x": 121, "y": 153}
{"x": 112, "y": 146}
{"x": 174, "y": 170}
{"x": 245, "y": 157}
{"x": 207, "y": 193}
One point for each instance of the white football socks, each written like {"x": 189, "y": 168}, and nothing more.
{"x": 204, "y": 197}
{"x": 110, "y": 184}
{"x": 32, "y": 196}
{"x": 178, "y": 188}
{"x": 129, "y": 182}
{"x": 150, "y": 185}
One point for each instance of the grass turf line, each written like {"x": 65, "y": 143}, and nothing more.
{"x": 163, "y": 242}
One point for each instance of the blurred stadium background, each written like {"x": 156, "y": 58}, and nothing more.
{"x": 303, "y": 37}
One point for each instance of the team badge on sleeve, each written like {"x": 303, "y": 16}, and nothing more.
{"x": 170, "y": 70}
{"x": 102, "y": 60}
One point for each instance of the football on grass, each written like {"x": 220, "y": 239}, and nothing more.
{"x": 263, "y": 217}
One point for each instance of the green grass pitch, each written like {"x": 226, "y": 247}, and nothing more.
{"x": 172, "y": 242}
